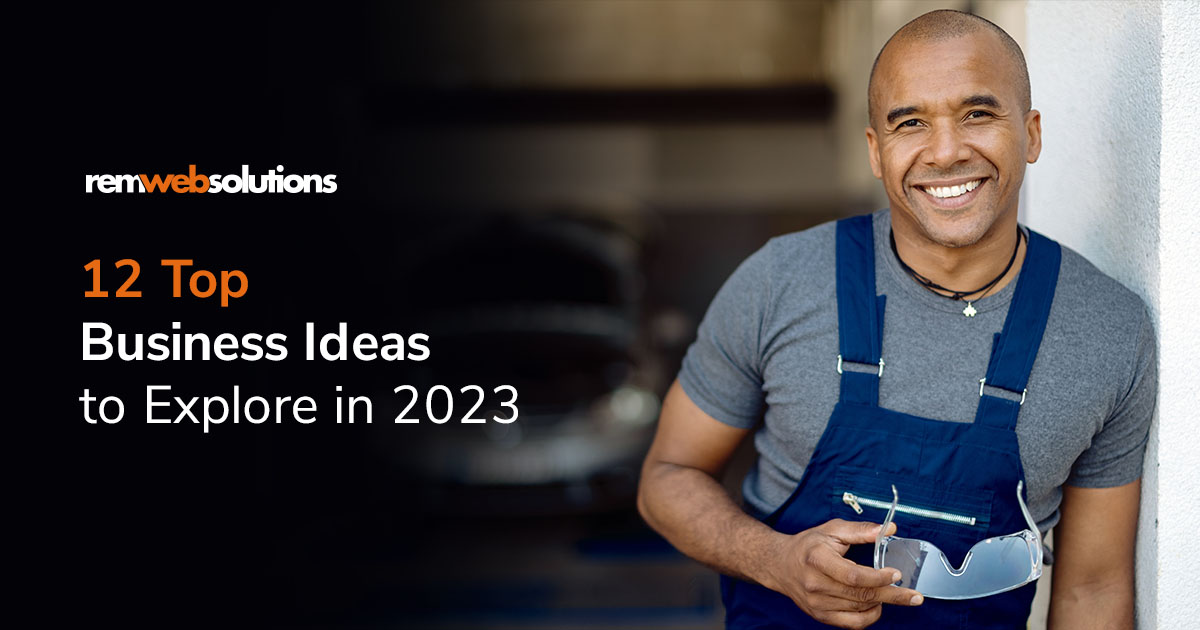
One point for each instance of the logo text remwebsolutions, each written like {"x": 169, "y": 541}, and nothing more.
{"x": 192, "y": 182}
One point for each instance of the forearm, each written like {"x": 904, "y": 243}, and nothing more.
{"x": 1094, "y": 562}
{"x": 1092, "y": 606}
{"x": 695, "y": 513}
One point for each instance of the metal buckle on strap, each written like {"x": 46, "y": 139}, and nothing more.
{"x": 839, "y": 365}
{"x": 984, "y": 380}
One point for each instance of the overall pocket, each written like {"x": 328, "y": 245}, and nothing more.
{"x": 954, "y": 519}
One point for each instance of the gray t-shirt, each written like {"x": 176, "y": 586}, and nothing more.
{"x": 765, "y": 357}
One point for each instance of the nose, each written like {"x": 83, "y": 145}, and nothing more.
{"x": 946, "y": 146}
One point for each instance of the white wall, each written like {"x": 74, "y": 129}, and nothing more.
{"x": 1118, "y": 86}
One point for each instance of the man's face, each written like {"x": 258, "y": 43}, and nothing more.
{"x": 950, "y": 139}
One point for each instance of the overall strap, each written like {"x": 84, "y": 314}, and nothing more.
{"x": 860, "y": 311}
{"x": 1016, "y": 347}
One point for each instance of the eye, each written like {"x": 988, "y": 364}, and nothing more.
{"x": 979, "y": 114}
{"x": 911, "y": 122}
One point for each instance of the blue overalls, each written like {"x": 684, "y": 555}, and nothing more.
{"x": 952, "y": 468}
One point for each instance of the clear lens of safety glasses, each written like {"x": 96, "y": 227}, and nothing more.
{"x": 991, "y": 566}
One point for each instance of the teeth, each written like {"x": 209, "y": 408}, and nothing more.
{"x": 945, "y": 192}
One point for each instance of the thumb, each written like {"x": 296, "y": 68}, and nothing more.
{"x": 855, "y": 532}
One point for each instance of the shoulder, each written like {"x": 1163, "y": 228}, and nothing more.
{"x": 800, "y": 254}
{"x": 804, "y": 241}
{"x": 1089, "y": 297}
{"x": 1098, "y": 329}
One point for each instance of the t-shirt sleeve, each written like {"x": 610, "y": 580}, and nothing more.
{"x": 1116, "y": 453}
{"x": 721, "y": 371}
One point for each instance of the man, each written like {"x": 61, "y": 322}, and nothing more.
{"x": 1009, "y": 360}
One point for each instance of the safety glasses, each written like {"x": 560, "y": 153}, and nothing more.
{"x": 991, "y": 566}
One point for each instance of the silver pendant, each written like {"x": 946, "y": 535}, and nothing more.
{"x": 969, "y": 311}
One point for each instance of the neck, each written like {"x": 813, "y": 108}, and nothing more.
{"x": 962, "y": 268}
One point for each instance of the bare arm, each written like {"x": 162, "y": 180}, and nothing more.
{"x": 1093, "y": 558}
{"x": 680, "y": 497}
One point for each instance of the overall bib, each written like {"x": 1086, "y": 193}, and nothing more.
{"x": 952, "y": 469}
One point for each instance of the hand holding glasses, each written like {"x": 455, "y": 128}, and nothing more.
{"x": 993, "y": 565}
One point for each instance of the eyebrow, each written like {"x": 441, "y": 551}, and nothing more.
{"x": 901, "y": 111}
{"x": 982, "y": 100}
{"x": 975, "y": 100}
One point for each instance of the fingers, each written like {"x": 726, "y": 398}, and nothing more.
{"x": 835, "y": 590}
{"x": 831, "y": 603}
{"x": 846, "y": 533}
{"x": 833, "y": 564}
{"x": 882, "y": 595}
{"x": 841, "y": 578}
{"x": 829, "y": 587}
{"x": 851, "y": 532}
{"x": 852, "y": 620}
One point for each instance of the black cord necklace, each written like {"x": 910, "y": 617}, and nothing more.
{"x": 938, "y": 289}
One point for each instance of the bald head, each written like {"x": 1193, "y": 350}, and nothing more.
{"x": 948, "y": 24}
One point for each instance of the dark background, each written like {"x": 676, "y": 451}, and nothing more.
{"x": 586, "y": 310}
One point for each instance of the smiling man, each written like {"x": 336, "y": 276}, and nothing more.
{"x": 934, "y": 361}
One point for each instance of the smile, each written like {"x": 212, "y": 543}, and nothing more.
{"x": 947, "y": 192}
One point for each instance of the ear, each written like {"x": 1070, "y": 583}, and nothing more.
{"x": 873, "y": 152}
{"x": 1033, "y": 135}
